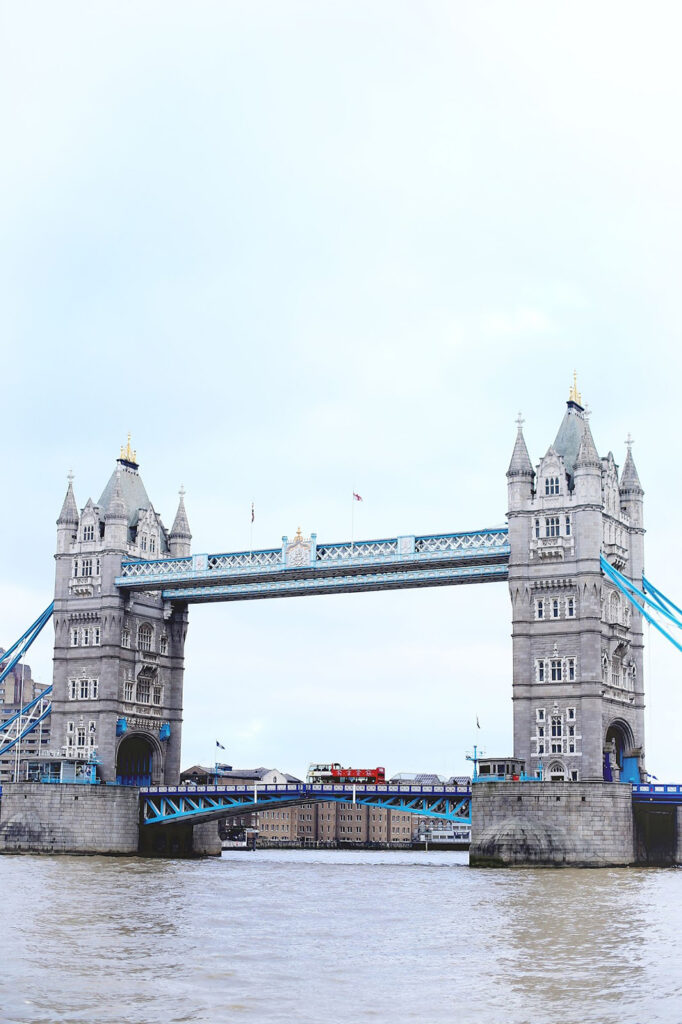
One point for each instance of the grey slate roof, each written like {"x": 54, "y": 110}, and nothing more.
{"x": 132, "y": 491}
{"x": 180, "y": 527}
{"x": 587, "y": 453}
{"x": 569, "y": 437}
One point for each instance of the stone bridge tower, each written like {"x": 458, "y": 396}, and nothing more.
{"x": 578, "y": 687}
{"x": 118, "y": 658}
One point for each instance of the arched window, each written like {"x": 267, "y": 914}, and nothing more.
{"x": 551, "y": 485}
{"x": 145, "y": 636}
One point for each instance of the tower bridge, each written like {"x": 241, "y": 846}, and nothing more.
{"x": 571, "y": 554}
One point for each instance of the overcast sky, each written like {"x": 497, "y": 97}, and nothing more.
{"x": 303, "y": 248}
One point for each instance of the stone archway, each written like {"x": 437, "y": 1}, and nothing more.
{"x": 135, "y": 761}
{"x": 556, "y": 772}
{"x": 618, "y": 745}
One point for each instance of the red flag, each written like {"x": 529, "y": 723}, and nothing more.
{"x": 356, "y": 497}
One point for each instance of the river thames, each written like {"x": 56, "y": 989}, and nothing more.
{"x": 340, "y": 937}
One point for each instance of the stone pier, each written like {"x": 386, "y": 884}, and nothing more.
{"x": 552, "y": 824}
{"x": 77, "y": 819}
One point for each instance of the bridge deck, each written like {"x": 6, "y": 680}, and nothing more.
{"x": 163, "y": 805}
{"x": 306, "y": 567}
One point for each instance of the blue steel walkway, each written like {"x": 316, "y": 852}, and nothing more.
{"x": 303, "y": 566}
{"x": 163, "y": 805}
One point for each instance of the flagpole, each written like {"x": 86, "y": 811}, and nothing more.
{"x": 352, "y": 520}
{"x": 251, "y": 531}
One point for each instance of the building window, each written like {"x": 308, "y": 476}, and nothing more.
{"x": 97, "y": 566}
{"x": 163, "y": 645}
{"x": 96, "y": 634}
{"x": 555, "y": 609}
{"x": 541, "y": 671}
{"x": 88, "y": 533}
{"x": 570, "y": 608}
{"x": 143, "y": 542}
{"x": 73, "y": 689}
{"x": 152, "y": 545}
{"x": 541, "y": 748}
{"x": 74, "y": 638}
{"x": 75, "y": 567}
{"x": 125, "y": 638}
{"x": 539, "y": 609}
{"x": 144, "y": 637}
{"x": 86, "y": 567}
{"x": 568, "y": 526}
{"x": 570, "y": 714}
{"x": 570, "y": 668}
{"x": 537, "y": 527}
{"x": 84, "y": 689}
{"x": 80, "y": 736}
{"x": 540, "y": 714}
{"x": 86, "y": 636}
{"x": 156, "y": 695}
{"x": 552, "y": 485}
{"x": 552, "y": 526}
{"x": 143, "y": 691}
{"x": 555, "y": 670}
{"x": 94, "y": 689}
{"x": 574, "y": 775}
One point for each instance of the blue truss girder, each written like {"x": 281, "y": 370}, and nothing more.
{"x": 163, "y": 805}
{"x": 658, "y": 793}
{"x": 410, "y": 561}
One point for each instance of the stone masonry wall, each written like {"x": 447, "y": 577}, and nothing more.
{"x": 560, "y": 824}
{"x": 40, "y": 818}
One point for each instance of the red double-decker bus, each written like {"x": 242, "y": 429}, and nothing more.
{"x": 334, "y": 772}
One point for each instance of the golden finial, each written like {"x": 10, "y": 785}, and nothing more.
{"x": 574, "y": 395}
{"x": 299, "y": 536}
{"x": 127, "y": 453}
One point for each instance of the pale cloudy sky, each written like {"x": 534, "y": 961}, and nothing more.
{"x": 299, "y": 248}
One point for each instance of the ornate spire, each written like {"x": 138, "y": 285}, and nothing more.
{"x": 69, "y": 512}
{"x": 180, "y": 529}
{"x": 128, "y": 457}
{"x": 629, "y": 478}
{"x": 520, "y": 464}
{"x": 116, "y": 509}
{"x": 574, "y": 395}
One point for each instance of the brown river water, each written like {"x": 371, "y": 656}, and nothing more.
{"x": 336, "y": 937}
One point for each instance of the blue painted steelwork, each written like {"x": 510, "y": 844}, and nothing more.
{"x": 34, "y": 712}
{"x": 25, "y": 641}
{"x": 164, "y": 805}
{"x": 640, "y": 599}
{"x": 659, "y": 793}
{"x": 408, "y": 561}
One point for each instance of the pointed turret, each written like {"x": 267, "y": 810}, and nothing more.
{"x": 520, "y": 474}
{"x": 631, "y": 492}
{"x": 116, "y": 516}
{"x": 588, "y": 456}
{"x": 180, "y": 534}
{"x": 69, "y": 513}
{"x": 629, "y": 479}
{"x": 520, "y": 464}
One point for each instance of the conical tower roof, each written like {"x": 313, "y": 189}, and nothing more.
{"x": 69, "y": 512}
{"x": 180, "y": 529}
{"x": 629, "y": 478}
{"x": 132, "y": 490}
{"x": 587, "y": 453}
{"x": 116, "y": 509}
{"x": 520, "y": 464}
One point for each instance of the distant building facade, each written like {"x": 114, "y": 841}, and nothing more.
{"x": 18, "y": 689}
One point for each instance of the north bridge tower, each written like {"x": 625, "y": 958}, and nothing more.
{"x": 118, "y": 656}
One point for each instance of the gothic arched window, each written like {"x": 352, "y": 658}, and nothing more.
{"x": 144, "y": 637}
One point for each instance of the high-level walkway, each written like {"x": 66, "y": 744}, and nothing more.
{"x": 303, "y": 566}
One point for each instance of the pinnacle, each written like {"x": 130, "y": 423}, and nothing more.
{"x": 587, "y": 452}
{"x": 520, "y": 464}
{"x": 116, "y": 508}
{"x": 180, "y": 528}
{"x": 629, "y": 479}
{"x": 69, "y": 512}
